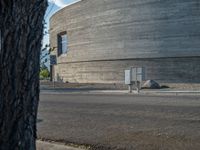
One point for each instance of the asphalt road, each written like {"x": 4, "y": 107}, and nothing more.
{"x": 121, "y": 121}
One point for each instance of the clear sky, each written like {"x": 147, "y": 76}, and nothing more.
{"x": 54, "y": 5}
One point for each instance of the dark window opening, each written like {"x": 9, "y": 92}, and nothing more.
{"x": 62, "y": 43}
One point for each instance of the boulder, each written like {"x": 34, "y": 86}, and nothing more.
{"x": 151, "y": 84}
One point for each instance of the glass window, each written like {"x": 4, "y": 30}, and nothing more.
{"x": 62, "y": 44}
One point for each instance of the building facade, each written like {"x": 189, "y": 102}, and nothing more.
{"x": 94, "y": 41}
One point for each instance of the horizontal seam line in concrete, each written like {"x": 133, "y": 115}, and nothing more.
{"x": 158, "y": 58}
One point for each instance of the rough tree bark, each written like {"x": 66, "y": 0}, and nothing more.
{"x": 21, "y": 26}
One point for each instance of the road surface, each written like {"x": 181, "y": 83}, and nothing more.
{"x": 121, "y": 121}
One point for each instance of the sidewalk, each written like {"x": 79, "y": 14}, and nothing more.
{"x": 70, "y": 88}
{"x": 152, "y": 92}
{"x": 124, "y": 92}
{"x": 41, "y": 145}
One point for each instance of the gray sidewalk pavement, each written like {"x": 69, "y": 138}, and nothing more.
{"x": 41, "y": 145}
{"x": 124, "y": 92}
{"x": 78, "y": 88}
{"x": 151, "y": 92}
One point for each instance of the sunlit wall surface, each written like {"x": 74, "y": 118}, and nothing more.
{"x": 105, "y": 37}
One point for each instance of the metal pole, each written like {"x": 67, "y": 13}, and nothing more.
{"x": 53, "y": 83}
{"x": 130, "y": 88}
{"x": 137, "y": 87}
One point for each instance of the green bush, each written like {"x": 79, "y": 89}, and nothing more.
{"x": 44, "y": 74}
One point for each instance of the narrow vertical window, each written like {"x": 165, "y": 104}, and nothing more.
{"x": 62, "y": 43}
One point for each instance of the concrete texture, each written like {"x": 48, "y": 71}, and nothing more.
{"x": 41, "y": 145}
{"x": 106, "y": 37}
{"x": 112, "y": 122}
{"x": 57, "y": 86}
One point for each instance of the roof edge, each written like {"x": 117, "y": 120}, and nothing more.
{"x": 70, "y": 4}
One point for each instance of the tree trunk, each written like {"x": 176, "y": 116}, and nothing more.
{"x": 21, "y": 26}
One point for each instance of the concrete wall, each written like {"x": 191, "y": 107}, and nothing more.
{"x": 108, "y": 36}
{"x": 181, "y": 70}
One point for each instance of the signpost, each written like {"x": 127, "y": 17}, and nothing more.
{"x": 134, "y": 75}
{"x": 53, "y": 61}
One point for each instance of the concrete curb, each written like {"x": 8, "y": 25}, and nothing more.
{"x": 41, "y": 145}
{"x": 125, "y": 92}
{"x": 152, "y": 93}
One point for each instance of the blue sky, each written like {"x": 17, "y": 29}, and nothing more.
{"x": 54, "y": 5}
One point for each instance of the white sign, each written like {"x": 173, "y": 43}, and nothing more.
{"x": 135, "y": 74}
{"x": 138, "y": 74}
{"x": 128, "y": 77}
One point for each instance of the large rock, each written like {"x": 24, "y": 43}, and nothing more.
{"x": 151, "y": 84}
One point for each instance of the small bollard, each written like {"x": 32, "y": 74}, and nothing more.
{"x": 130, "y": 88}
{"x": 137, "y": 83}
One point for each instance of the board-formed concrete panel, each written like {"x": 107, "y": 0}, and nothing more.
{"x": 108, "y": 36}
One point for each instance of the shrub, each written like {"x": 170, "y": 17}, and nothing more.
{"x": 44, "y": 74}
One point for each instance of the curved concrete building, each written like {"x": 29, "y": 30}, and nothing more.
{"x": 102, "y": 38}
